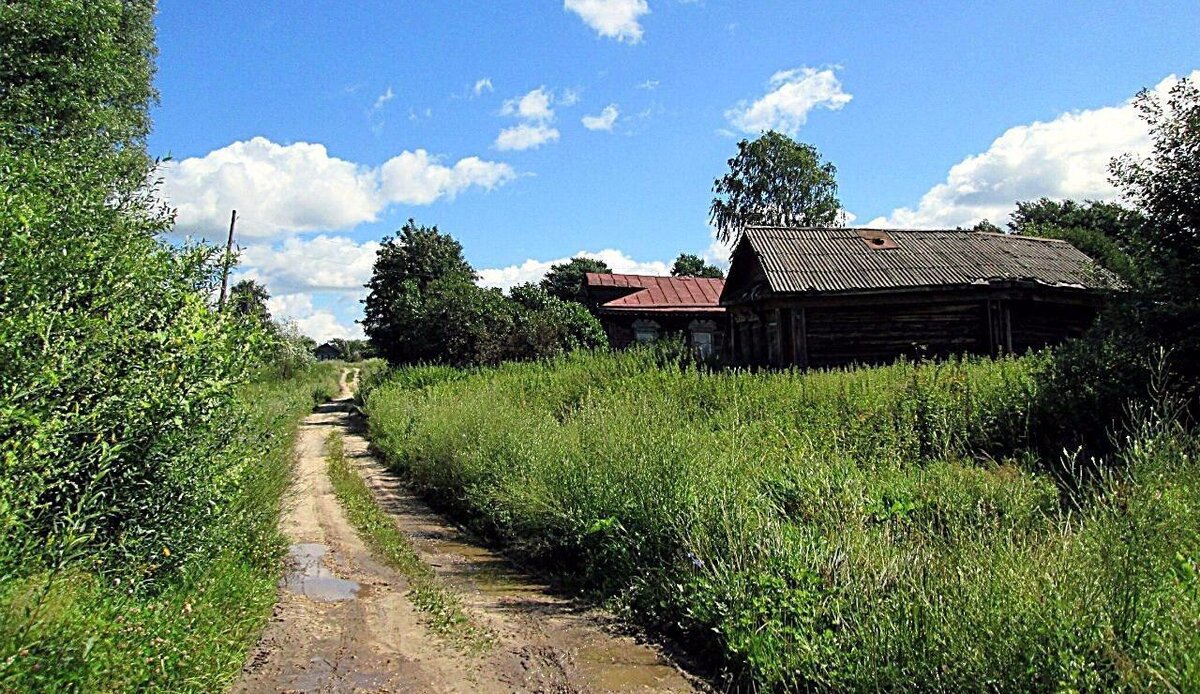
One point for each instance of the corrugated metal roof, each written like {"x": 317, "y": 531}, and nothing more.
{"x": 649, "y": 292}
{"x": 846, "y": 259}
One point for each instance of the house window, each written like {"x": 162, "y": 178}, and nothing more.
{"x": 645, "y": 330}
{"x": 703, "y": 337}
{"x": 773, "y": 338}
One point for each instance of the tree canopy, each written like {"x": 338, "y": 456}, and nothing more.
{"x": 1102, "y": 230}
{"x": 775, "y": 180}
{"x": 249, "y": 298}
{"x": 1164, "y": 187}
{"x": 424, "y": 306}
{"x": 566, "y": 280}
{"x": 116, "y": 375}
{"x": 688, "y": 265}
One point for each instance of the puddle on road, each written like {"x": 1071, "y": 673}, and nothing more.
{"x": 489, "y": 572}
{"x": 309, "y": 576}
{"x": 620, "y": 666}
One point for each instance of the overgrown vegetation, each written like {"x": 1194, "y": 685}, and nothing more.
{"x": 144, "y": 435}
{"x": 82, "y": 626}
{"x": 444, "y": 610}
{"x": 883, "y": 528}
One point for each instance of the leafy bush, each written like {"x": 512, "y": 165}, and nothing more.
{"x": 78, "y": 629}
{"x": 870, "y": 529}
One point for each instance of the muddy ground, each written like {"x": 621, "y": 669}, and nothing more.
{"x": 344, "y": 623}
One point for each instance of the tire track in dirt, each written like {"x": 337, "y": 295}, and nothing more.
{"x": 343, "y": 622}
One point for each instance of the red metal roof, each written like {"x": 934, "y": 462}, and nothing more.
{"x": 652, "y": 293}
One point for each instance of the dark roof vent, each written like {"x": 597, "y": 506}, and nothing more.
{"x": 877, "y": 240}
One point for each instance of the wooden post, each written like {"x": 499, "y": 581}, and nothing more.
{"x": 225, "y": 267}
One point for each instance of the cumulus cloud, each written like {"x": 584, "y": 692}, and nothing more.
{"x": 614, "y": 19}
{"x": 319, "y": 324}
{"x": 323, "y": 326}
{"x": 533, "y": 270}
{"x": 535, "y": 112}
{"x": 793, "y": 95}
{"x": 569, "y": 97}
{"x": 483, "y": 84}
{"x": 417, "y": 178}
{"x": 280, "y": 189}
{"x": 533, "y": 106}
{"x": 604, "y": 120}
{"x": 1066, "y": 157}
{"x": 333, "y": 267}
{"x": 525, "y": 136}
{"x": 322, "y": 263}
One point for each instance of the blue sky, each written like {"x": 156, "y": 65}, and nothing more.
{"x": 329, "y": 124}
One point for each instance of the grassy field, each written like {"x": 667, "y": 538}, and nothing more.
{"x": 883, "y": 528}
{"x": 78, "y": 629}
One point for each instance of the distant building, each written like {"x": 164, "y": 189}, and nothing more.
{"x": 327, "y": 352}
{"x": 833, "y": 296}
{"x": 643, "y": 308}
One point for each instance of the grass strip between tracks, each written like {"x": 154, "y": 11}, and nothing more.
{"x": 442, "y": 606}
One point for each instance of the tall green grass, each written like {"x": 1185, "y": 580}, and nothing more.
{"x": 86, "y": 628}
{"x": 882, "y": 528}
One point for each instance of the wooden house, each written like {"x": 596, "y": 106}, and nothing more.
{"x": 643, "y": 308}
{"x": 327, "y": 352}
{"x": 832, "y": 296}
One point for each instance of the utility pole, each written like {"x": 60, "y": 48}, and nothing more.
{"x": 228, "y": 258}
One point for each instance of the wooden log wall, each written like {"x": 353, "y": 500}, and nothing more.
{"x": 880, "y": 334}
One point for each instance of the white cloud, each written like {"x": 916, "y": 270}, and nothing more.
{"x": 718, "y": 252}
{"x": 483, "y": 84}
{"x": 321, "y": 263}
{"x": 534, "y": 106}
{"x": 533, "y": 270}
{"x": 333, "y": 266}
{"x": 569, "y": 97}
{"x": 614, "y": 19}
{"x": 1066, "y": 157}
{"x": 416, "y": 178}
{"x": 649, "y": 85}
{"x": 280, "y": 189}
{"x": 319, "y": 324}
{"x": 793, "y": 95}
{"x": 603, "y": 121}
{"x": 525, "y": 136}
{"x": 285, "y": 306}
{"x": 535, "y": 112}
{"x": 383, "y": 98}
{"x": 323, "y": 326}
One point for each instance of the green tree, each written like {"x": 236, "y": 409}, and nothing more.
{"x": 1147, "y": 341}
{"x": 1164, "y": 188}
{"x": 467, "y": 325}
{"x": 548, "y": 326}
{"x": 775, "y": 180}
{"x": 688, "y": 265}
{"x": 566, "y": 280}
{"x": 115, "y": 373}
{"x": 1102, "y": 230}
{"x": 406, "y": 265}
{"x": 249, "y": 298}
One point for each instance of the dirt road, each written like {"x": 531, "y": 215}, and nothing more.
{"x": 344, "y": 623}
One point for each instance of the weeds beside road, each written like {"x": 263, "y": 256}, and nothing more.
{"x": 83, "y": 629}
{"x": 886, "y": 528}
